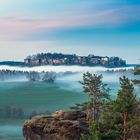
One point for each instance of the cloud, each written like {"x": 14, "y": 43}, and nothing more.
{"x": 14, "y": 28}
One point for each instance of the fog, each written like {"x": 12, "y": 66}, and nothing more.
{"x": 62, "y": 68}
{"x": 9, "y": 130}
{"x": 68, "y": 76}
{"x": 71, "y": 82}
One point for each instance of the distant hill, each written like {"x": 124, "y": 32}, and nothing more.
{"x": 131, "y": 65}
{"x": 12, "y": 63}
{"x": 17, "y": 63}
{"x": 73, "y": 59}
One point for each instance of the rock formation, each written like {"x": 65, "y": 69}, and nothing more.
{"x": 62, "y": 125}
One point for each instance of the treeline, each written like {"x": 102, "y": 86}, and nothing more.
{"x": 109, "y": 119}
{"x": 9, "y": 74}
{"x": 48, "y": 77}
{"x": 137, "y": 72}
{"x": 9, "y": 112}
{"x": 120, "y": 70}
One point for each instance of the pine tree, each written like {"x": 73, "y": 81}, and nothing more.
{"x": 126, "y": 103}
{"x": 94, "y": 133}
{"x": 97, "y": 91}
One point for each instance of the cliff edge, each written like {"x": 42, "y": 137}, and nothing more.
{"x": 62, "y": 125}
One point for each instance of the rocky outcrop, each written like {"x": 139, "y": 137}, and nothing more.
{"x": 62, "y": 125}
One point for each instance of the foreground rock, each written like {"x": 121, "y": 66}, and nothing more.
{"x": 62, "y": 125}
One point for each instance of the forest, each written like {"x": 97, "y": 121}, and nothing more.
{"x": 109, "y": 119}
{"x": 47, "y": 77}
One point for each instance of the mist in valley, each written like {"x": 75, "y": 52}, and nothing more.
{"x": 66, "y": 77}
{"x": 30, "y": 91}
{"x": 63, "y": 73}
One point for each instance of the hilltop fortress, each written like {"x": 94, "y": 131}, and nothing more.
{"x": 73, "y": 59}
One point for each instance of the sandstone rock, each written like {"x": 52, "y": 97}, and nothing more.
{"x": 62, "y": 125}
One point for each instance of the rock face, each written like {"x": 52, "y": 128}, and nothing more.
{"x": 62, "y": 125}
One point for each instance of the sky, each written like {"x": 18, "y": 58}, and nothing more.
{"x": 82, "y": 27}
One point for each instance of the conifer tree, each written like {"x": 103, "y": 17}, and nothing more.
{"x": 94, "y": 133}
{"x": 126, "y": 103}
{"x": 97, "y": 91}
{"x": 120, "y": 118}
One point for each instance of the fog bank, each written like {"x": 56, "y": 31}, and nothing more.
{"x": 62, "y": 68}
